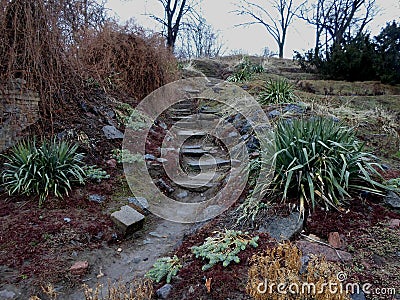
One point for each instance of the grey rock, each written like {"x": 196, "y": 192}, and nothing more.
{"x": 283, "y": 228}
{"x": 164, "y": 291}
{"x": 5, "y": 294}
{"x": 358, "y": 296}
{"x": 253, "y": 143}
{"x": 128, "y": 220}
{"x": 246, "y": 128}
{"x": 111, "y": 132}
{"x": 149, "y": 157}
{"x": 182, "y": 195}
{"x": 165, "y": 186}
{"x": 308, "y": 248}
{"x": 392, "y": 200}
{"x": 157, "y": 235}
{"x": 233, "y": 134}
{"x": 161, "y": 160}
{"x": 304, "y": 263}
{"x": 147, "y": 242}
{"x": 294, "y": 108}
{"x": 97, "y": 198}
{"x": 273, "y": 114}
{"x": 140, "y": 202}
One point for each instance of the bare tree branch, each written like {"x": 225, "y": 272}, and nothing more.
{"x": 275, "y": 20}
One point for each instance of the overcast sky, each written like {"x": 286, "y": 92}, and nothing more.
{"x": 251, "y": 39}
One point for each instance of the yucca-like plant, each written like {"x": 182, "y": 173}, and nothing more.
{"x": 277, "y": 91}
{"x": 42, "y": 170}
{"x": 321, "y": 160}
{"x": 245, "y": 70}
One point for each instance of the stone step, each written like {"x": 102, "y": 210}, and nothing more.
{"x": 207, "y": 163}
{"x": 209, "y": 111}
{"x": 179, "y": 118}
{"x": 191, "y": 133}
{"x": 181, "y": 111}
{"x": 197, "y": 152}
{"x": 128, "y": 220}
{"x": 201, "y": 181}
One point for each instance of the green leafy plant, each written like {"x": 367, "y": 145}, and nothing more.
{"x": 224, "y": 247}
{"x": 321, "y": 160}
{"x": 245, "y": 70}
{"x": 95, "y": 174}
{"x": 42, "y": 170}
{"x": 165, "y": 266}
{"x": 277, "y": 91}
{"x": 124, "y": 156}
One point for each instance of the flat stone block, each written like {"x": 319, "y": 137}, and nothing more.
{"x": 128, "y": 220}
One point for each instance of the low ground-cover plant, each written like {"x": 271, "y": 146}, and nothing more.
{"x": 48, "y": 168}
{"x": 321, "y": 160}
{"x": 164, "y": 267}
{"x": 95, "y": 174}
{"x": 224, "y": 247}
{"x": 277, "y": 91}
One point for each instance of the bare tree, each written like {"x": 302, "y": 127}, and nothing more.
{"x": 199, "y": 39}
{"x": 336, "y": 18}
{"x": 172, "y": 21}
{"x": 274, "y": 15}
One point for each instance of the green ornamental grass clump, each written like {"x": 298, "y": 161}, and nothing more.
{"x": 276, "y": 92}
{"x": 321, "y": 160}
{"x": 49, "y": 168}
{"x": 245, "y": 71}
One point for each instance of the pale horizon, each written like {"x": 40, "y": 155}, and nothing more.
{"x": 250, "y": 40}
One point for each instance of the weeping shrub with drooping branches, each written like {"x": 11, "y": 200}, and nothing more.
{"x": 56, "y": 47}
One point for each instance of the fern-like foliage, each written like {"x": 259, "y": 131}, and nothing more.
{"x": 224, "y": 247}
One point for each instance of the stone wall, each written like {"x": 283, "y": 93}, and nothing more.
{"x": 19, "y": 108}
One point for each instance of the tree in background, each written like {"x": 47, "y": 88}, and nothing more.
{"x": 199, "y": 39}
{"x": 360, "y": 58}
{"x": 336, "y": 19}
{"x": 173, "y": 20}
{"x": 388, "y": 53}
{"x": 274, "y": 15}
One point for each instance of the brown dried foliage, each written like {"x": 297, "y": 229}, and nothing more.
{"x": 124, "y": 59}
{"x": 138, "y": 290}
{"x": 281, "y": 265}
{"x": 57, "y": 47}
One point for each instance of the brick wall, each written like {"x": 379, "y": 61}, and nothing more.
{"x": 19, "y": 108}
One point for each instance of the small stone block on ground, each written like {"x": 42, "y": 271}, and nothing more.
{"x": 128, "y": 220}
{"x": 79, "y": 268}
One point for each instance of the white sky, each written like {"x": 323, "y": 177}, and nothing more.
{"x": 249, "y": 39}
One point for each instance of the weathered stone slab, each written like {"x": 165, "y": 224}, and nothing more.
{"x": 128, "y": 220}
{"x": 283, "y": 228}
{"x": 330, "y": 254}
{"x": 111, "y": 133}
{"x": 392, "y": 200}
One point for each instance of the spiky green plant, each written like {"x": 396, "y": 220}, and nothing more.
{"x": 245, "y": 70}
{"x": 277, "y": 91}
{"x": 224, "y": 247}
{"x": 42, "y": 170}
{"x": 321, "y": 160}
{"x": 164, "y": 267}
